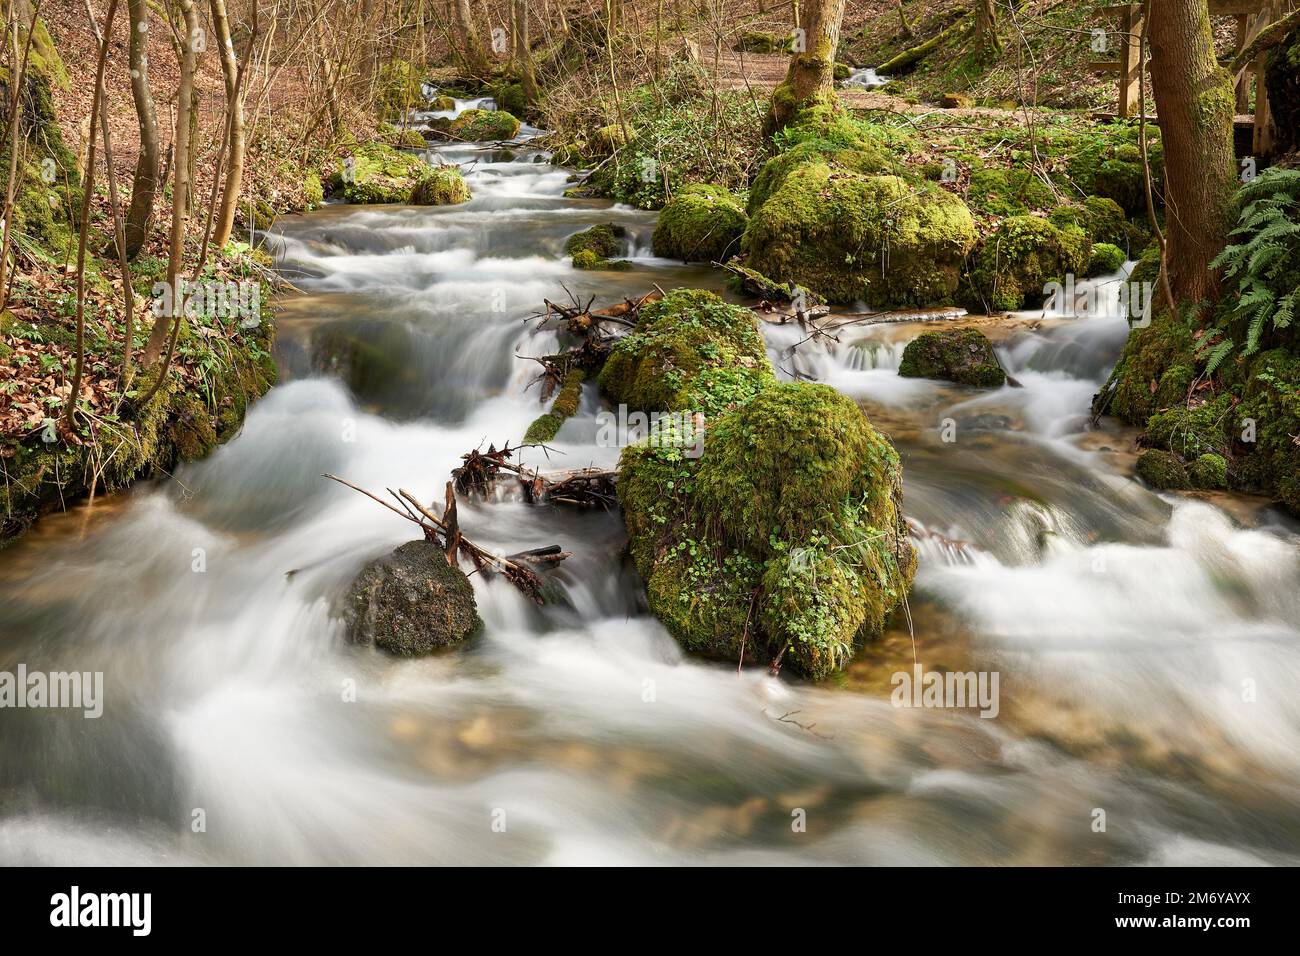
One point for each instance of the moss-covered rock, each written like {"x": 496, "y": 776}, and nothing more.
{"x": 377, "y": 173}
{"x": 477, "y": 126}
{"x": 1108, "y": 163}
{"x": 1153, "y": 372}
{"x": 605, "y": 240}
{"x": 854, "y": 238}
{"x": 411, "y": 602}
{"x": 442, "y": 104}
{"x": 1162, "y": 470}
{"x": 1209, "y": 472}
{"x": 964, "y": 356}
{"x": 701, "y": 223}
{"x": 1105, "y": 259}
{"x": 440, "y": 186}
{"x": 865, "y": 159}
{"x": 1102, "y": 219}
{"x": 689, "y": 352}
{"x": 607, "y": 139}
{"x": 785, "y": 537}
{"x": 397, "y": 89}
{"x": 1016, "y": 262}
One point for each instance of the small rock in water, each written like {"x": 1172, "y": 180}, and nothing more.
{"x": 411, "y": 602}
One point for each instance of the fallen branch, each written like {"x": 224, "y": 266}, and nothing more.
{"x": 445, "y": 532}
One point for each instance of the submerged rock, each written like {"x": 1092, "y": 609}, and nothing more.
{"x": 964, "y": 356}
{"x": 701, "y": 223}
{"x": 411, "y": 602}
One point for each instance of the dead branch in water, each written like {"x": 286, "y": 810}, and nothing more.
{"x": 445, "y": 532}
{"x": 484, "y": 473}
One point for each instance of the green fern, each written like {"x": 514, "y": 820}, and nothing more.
{"x": 1265, "y": 265}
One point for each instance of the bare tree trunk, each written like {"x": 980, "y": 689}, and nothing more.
{"x": 232, "y": 74}
{"x": 144, "y": 187}
{"x": 473, "y": 51}
{"x": 1195, "y": 100}
{"x": 987, "y": 42}
{"x": 524, "y": 53}
{"x": 14, "y": 129}
{"x": 88, "y": 189}
{"x": 811, "y": 76}
{"x": 182, "y": 155}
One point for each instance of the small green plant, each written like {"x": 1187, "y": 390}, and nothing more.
{"x": 1265, "y": 264}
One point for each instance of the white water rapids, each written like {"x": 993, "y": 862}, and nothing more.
{"x": 1123, "y": 624}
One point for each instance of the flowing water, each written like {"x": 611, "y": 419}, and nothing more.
{"x": 1147, "y": 646}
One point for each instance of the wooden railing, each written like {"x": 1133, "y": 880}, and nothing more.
{"x": 1252, "y": 17}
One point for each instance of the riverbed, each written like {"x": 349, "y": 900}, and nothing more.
{"x": 1148, "y": 646}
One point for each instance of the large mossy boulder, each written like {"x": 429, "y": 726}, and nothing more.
{"x": 689, "y": 352}
{"x": 411, "y": 602}
{"x": 783, "y": 538}
{"x": 480, "y": 126}
{"x": 964, "y": 356}
{"x": 852, "y": 237}
{"x": 1016, "y": 262}
{"x": 377, "y": 173}
{"x": 440, "y": 186}
{"x": 701, "y": 223}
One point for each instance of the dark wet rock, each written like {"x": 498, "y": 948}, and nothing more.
{"x": 411, "y": 602}
{"x": 964, "y": 356}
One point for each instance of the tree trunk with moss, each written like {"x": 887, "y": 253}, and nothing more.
{"x": 811, "y": 76}
{"x": 1195, "y": 100}
{"x": 524, "y": 53}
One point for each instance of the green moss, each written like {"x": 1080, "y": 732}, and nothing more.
{"x": 856, "y": 238}
{"x": 786, "y": 536}
{"x": 440, "y": 186}
{"x": 1017, "y": 261}
{"x": 866, "y": 159}
{"x": 1271, "y": 401}
{"x": 509, "y": 97}
{"x": 442, "y": 103}
{"x": 701, "y": 223}
{"x": 1008, "y": 192}
{"x": 1102, "y": 219}
{"x": 397, "y": 89}
{"x": 1209, "y": 472}
{"x": 565, "y": 406}
{"x": 379, "y": 174}
{"x": 1153, "y": 371}
{"x": 655, "y": 367}
{"x": 608, "y": 139}
{"x": 401, "y": 138}
{"x": 964, "y": 356}
{"x": 605, "y": 241}
{"x": 1105, "y": 259}
{"x": 313, "y": 191}
{"x": 477, "y": 126}
{"x": 1162, "y": 470}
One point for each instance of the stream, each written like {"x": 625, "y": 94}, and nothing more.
{"x": 1124, "y": 624}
